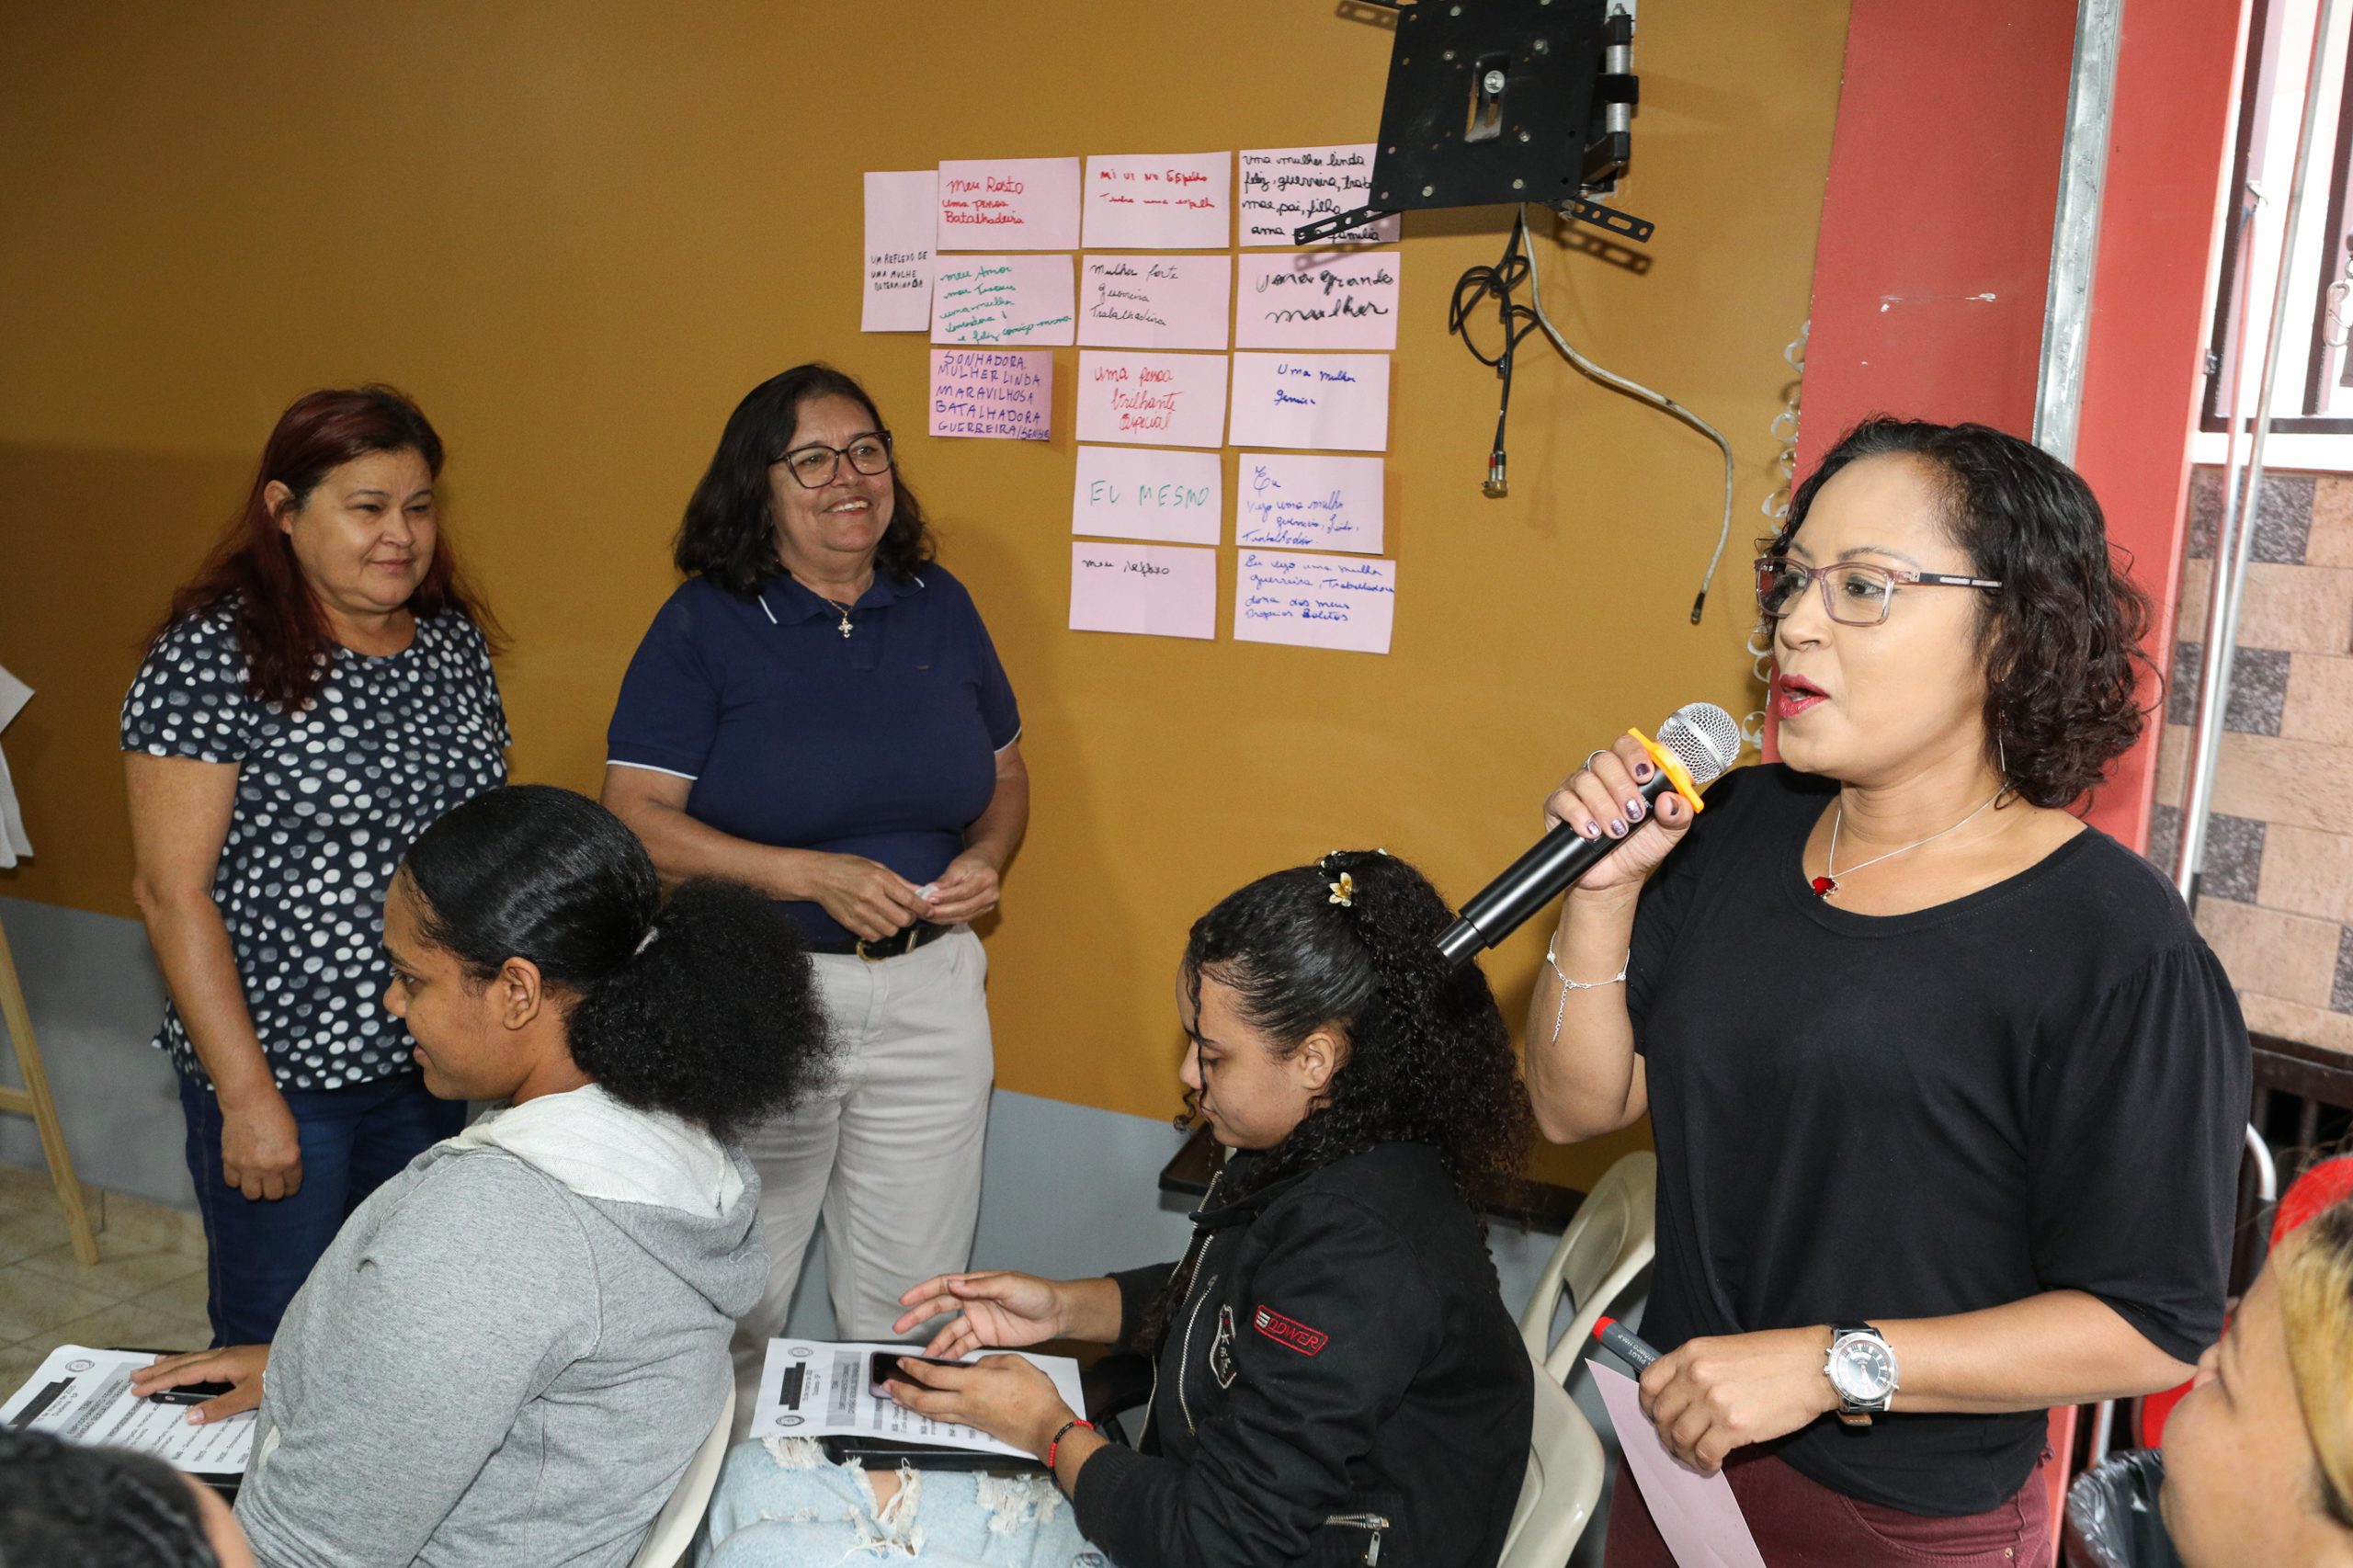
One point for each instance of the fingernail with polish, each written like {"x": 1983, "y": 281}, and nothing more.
{"x": 1590, "y": 831}
{"x": 1634, "y": 809}
{"x": 1642, "y": 771}
{"x": 1617, "y": 828}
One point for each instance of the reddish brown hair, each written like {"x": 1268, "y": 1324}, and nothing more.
{"x": 279, "y": 624}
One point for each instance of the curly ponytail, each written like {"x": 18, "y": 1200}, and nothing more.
{"x": 707, "y": 1008}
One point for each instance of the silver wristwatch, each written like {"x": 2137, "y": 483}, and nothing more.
{"x": 1861, "y": 1369}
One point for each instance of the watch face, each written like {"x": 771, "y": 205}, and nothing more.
{"x": 1861, "y": 1368}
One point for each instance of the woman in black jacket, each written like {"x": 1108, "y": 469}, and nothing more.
{"x": 1337, "y": 1379}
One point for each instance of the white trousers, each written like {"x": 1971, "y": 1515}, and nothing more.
{"x": 889, "y": 1155}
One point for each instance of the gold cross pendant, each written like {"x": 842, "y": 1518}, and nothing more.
{"x": 845, "y": 626}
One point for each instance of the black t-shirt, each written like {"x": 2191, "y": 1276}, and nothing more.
{"x": 2038, "y": 1086}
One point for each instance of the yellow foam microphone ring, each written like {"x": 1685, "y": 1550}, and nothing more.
{"x": 1672, "y": 765}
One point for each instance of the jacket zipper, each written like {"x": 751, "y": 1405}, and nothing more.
{"x": 1152, "y": 1400}
{"x": 1185, "y": 1353}
{"x": 1373, "y": 1522}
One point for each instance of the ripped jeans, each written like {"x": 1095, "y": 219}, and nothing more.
{"x": 781, "y": 1503}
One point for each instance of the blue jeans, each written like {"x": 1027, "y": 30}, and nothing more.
{"x": 262, "y": 1249}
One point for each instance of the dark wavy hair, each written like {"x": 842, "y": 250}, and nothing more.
{"x": 2061, "y": 639}
{"x": 729, "y": 533}
{"x": 280, "y": 625}
{"x": 69, "y": 1506}
{"x": 1429, "y": 1058}
{"x": 706, "y": 1007}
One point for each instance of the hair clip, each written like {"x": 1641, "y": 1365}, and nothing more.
{"x": 647, "y": 941}
{"x": 1344, "y": 892}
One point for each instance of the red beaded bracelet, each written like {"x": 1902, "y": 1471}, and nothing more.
{"x": 1054, "y": 1446}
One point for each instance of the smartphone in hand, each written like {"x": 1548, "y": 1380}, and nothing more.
{"x": 882, "y": 1367}
{"x": 191, "y": 1393}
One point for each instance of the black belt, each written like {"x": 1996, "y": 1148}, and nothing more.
{"x": 923, "y": 933}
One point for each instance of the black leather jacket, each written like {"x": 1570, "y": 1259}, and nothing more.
{"x": 1341, "y": 1383}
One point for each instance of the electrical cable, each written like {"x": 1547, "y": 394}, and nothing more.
{"x": 1497, "y": 282}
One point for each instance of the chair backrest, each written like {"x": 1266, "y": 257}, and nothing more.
{"x": 1564, "y": 1465}
{"x": 673, "y": 1535}
{"x": 1608, "y": 1241}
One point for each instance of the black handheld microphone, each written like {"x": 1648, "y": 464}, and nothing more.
{"x": 1694, "y": 747}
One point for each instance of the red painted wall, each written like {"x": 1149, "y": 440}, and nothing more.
{"x": 1934, "y": 261}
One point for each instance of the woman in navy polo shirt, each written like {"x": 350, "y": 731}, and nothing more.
{"x": 819, "y": 711}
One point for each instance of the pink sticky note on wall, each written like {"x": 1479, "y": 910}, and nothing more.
{"x": 1167, "y": 201}
{"x": 1696, "y": 1515}
{"x": 1314, "y": 601}
{"x": 1318, "y": 299}
{"x": 1149, "y": 589}
{"x": 1162, "y": 399}
{"x": 1339, "y": 401}
{"x": 1001, "y": 299}
{"x": 901, "y": 216}
{"x": 1154, "y": 493}
{"x": 1302, "y": 501}
{"x": 1153, "y": 301}
{"x": 1004, "y": 393}
{"x": 1285, "y": 187}
{"x": 1008, "y": 204}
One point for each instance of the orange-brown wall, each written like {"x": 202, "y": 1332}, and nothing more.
{"x": 577, "y": 232}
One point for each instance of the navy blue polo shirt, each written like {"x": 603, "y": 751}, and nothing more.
{"x": 881, "y": 744}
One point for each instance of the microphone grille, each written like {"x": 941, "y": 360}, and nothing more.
{"x": 1705, "y": 737}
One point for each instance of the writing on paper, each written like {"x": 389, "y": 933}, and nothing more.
{"x": 1318, "y": 299}
{"x": 1173, "y": 400}
{"x": 1155, "y": 301}
{"x": 1148, "y": 493}
{"x": 902, "y": 214}
{"x": 1006, "y": 394}
{"x": 1176, "y": 201}
{"x": 1300, "y": 501}
{"x": 1008, "y": 204}
{"x": 1314, "y": 601}
{"x": 1283, "y": 188}
{"x": 1150, "y": 590}
{"x": 1338, "y": 401}
{"x": 1003, "y": 299}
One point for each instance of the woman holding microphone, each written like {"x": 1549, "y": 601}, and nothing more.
{"x": 1946, "y": 1089}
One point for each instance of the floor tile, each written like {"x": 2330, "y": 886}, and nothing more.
{"x": 121, "y": 1271}
{"x": 32, "y": 1304}
{"x": 184, "y": 1297}
{"x": 25, "y": 1234}
{"x": 125, "y": 1324}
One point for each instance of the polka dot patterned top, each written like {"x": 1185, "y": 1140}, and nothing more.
{"x": 328, "y": 801}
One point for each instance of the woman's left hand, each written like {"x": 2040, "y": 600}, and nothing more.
{"x": 1710, "y": 1396}
{"x": 1005, "y": 1396}
{"x": 240, "y": 1366}
{"x": 966, "y": 890}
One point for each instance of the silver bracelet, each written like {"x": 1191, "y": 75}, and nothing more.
{"x": 1568, "y": 985}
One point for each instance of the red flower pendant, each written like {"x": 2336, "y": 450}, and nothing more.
{"x": 1824, "y": 886}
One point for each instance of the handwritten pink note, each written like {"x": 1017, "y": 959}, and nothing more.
{"x": 1314, "y": 601}
{"x": 1153, "y": 590}
{"x": 901, "y": 216}
{"x": 1155, "y": 301}
{"x": 1148, "y": 493}
{"x": 1003, "y": 299}
{"x": 1008, "y": 204}
{"x": 1339, "y": 401}
{"x": 1318, "y": 299}
{"x": 1161, "y": 400}
{"x": 1285, "y": 187}
{"x": 1299, "y": 501}
{"x": 1696, "y": 1515}
{"x": 1008, "y": 395}
{"x": 1173, "y": 202}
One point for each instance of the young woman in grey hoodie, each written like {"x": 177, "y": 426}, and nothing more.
{"x": 513, "y": 1348}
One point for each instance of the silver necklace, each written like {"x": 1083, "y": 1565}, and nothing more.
{"x": 1826, "y": 884}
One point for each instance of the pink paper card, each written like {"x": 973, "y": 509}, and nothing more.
{"x": 1148, "y": 493}
{"x": 1153, "y": 590}
{"x": 1001, "y": 299}
{"x": 1696, "y": 1515}
{"x": 1008, "y": 395}
{"x": 1160, "y": 400}
{"x": 1153, "y": 301}
{"x": 1294, "y": 501}
{"x": 1008, "y": 204}
{"x": 1285, "y": 187}
{"x": 1339, "y": 401}
{"x": 901, "y": 216}
{"x": 1314, "y": 601}
{"x": 1173, "y": 201}
{"x": 1318, "y": 299}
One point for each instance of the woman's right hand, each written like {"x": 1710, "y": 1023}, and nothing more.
{"x": 261, "y": 1148}
{"x": 242, "y": 1367}
{"x": 866, "y": 897}
{"x": 1603, "y": 801}
{"x": 1004, "y": 1310}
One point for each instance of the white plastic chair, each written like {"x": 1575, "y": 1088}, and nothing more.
{"x": 1609, "y": 1241}
{"x": 1564, "y": 1467}
{"x": 673, "y": 1534}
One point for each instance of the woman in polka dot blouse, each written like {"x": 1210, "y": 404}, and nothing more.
{"x": 319, "y": 694}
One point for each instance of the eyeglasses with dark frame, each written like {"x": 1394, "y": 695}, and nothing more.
{"x": 1855, "y": 592}
{"x": 817, "y": 464}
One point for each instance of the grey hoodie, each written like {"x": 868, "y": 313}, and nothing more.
{"x": 512, "y": 1348}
